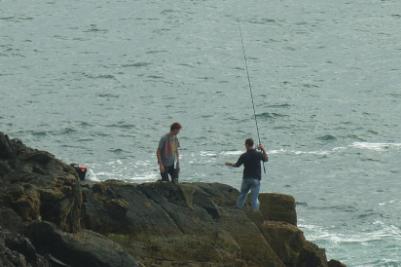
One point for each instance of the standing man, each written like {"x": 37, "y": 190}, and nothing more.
{"x": 167, "y": 154}
{"x": 252, "y": 173}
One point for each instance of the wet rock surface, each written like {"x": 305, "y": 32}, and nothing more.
{"x": 50, "y": 218}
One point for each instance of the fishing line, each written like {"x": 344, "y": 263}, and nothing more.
{"x": 250, "y": 86}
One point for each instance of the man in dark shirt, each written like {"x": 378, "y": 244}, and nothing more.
{"x": 252, "y": 173}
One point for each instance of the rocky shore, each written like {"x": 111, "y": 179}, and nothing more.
{"x": 49, "y": 218}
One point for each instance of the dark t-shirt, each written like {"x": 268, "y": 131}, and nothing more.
{"x": 251, "y": 160}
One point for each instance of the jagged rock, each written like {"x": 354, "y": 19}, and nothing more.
{"x": 18, "y": 251}
{"x": 25, "y": 200}
{"x": 289, "y": 243}
{"x": 195, "y": 224}
{"x": 11, "y": 220}
{"x": 22, "y": 245}
{"x": 286, "y": 240}
{"x": 278, "y": 207}
{"x": 335, "y": 263}
{"x": 11, "y": 258}
{"x": 312, "y": 256}
{"x": 6, "y": 149}
{"x": 82, "y": 249}
{"x": 160, "y": 224}
{"x": 38, "y": 186}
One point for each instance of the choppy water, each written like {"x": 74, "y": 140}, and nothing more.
{"x": 99, "y": 82}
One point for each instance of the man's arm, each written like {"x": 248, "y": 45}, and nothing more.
{"x": 178, "y": 160}
{"x": 158, "y": 155}
{"x": 265, "y": 157}
{"x": 178, "y": 154}
{"x": 159, "y": 160}
{"x": 237, "y": 164}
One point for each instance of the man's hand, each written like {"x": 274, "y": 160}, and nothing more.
{"x": 261, "y": 147}
{"x": 229, "y": 164}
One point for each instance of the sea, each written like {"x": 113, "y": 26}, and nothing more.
{"x": 99, "y": 82}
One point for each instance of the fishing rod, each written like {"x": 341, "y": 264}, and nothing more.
{"x": 250, "y": 87}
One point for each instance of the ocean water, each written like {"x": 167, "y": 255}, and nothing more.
{"x": 98, "y": 82}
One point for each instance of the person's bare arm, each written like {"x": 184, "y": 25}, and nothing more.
{"x": 178, "y": 159}
{"x": 159, "y": 160}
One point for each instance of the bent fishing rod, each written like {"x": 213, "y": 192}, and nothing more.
{"x": 250, "y": 87}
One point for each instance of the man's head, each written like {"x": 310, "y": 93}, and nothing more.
{"x": 249, "y": 143}
{"x": 175, "y": 128}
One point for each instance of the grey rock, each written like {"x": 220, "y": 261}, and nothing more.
{"x": 82, "y": 249}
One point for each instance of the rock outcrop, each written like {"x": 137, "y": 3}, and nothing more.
{"x": 18, "y": 251}
{"x": 49, "y": 218}
{"x": 82, "y": 249}
{"x": 36, "y": 185}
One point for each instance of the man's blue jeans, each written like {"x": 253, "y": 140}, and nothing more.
{"x": 254, "y": 186}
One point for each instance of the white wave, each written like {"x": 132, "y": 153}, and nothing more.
{"x": 282, "y": 151}
{"x": 319, "y": 233}
{"x": 390, "y": 202}
{"x": 376, "y": 146}
{"x": 231, "y": 153}
{"x": 114, "y": 162}
{"x": 142, "y": 163}
{"x": 339, "y": 148}
{"x": 298, "y": 152}
{"x": 356, "y": 145}
{"x": 380, "y": 262}
{"x": 277, "y": 151}
{"x": 121, "y": 169}
{"x": 147, "y": 176}
{"x": 102, "y": 173}
{"x": 208, "y": 154}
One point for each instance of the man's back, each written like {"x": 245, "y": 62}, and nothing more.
{"x": 252, "y": 167}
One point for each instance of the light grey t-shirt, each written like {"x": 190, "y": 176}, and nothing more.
{"x": 168, "y": 146}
